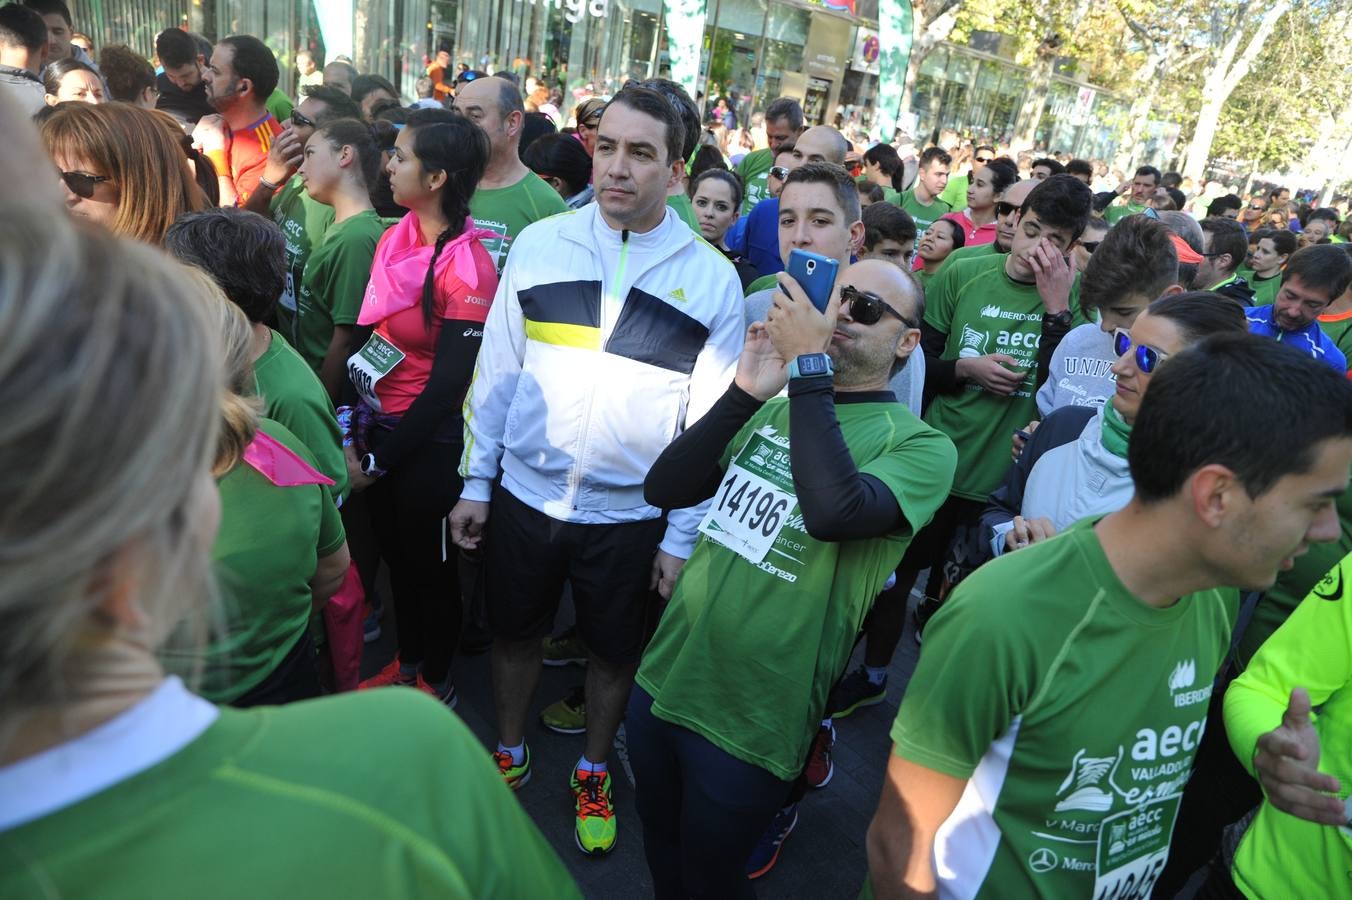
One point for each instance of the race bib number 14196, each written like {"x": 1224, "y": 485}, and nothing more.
{"x": 753, "y": 501}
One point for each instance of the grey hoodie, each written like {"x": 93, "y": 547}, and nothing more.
{"x": 1081, "y": 371}
{"x": 21, "y": 87}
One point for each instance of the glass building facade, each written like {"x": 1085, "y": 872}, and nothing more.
{"x": 754, "y": 51}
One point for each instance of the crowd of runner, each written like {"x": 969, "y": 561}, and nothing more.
{"x": 271, "y": 362}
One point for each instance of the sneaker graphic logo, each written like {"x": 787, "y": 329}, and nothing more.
{"x": 972, "y": 342}
{"x": 1087, "y": 775}
{"x": 678, "y": 295}
{"x": 1117, "y": 838}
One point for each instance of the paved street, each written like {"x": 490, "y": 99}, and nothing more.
{"x": 822, "y": 860}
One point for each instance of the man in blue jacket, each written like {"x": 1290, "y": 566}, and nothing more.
{"x": 1313, "y": 278}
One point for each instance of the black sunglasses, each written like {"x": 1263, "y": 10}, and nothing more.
{"x": 81, "y": 184}
{"x": 984, "y": 159}
{"x": 1004, "y": 209}
{"x": 1147, "y": 357}
{"x": 779, "y": 172}
{"x": 867, "y": 308}
{"x": 299, "y": 120}
{"x": 1090, "y": 246}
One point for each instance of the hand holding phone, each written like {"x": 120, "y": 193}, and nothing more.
{"x": 815, "y": 274}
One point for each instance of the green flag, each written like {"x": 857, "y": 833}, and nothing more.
{"x": 895, "y": 33}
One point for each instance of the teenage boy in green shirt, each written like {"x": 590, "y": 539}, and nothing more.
{"x": 922, "y": 200}
{"x": 1051, "y": 726}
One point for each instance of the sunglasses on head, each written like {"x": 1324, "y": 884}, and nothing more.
{"x": 1147, "y": 357}
{"x": 779, "y": 172}
{"x": 81, "y": 184}
{"x": 867, "y": 308}
{"x": 1149, "y": 213}
{"x": 1005, "y": 209}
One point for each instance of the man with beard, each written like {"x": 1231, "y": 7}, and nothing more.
{"x": 1314, "y": 277}
{"x": 776, "y": 590}
{"x": 239, "y": 78}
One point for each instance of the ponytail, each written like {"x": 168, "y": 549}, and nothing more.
{"x": 446, "y": 141}
{"x": 361, "y": 138}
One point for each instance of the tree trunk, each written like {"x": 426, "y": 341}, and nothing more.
{"x": 1034, "y": 99}
{"x": 929, "y": 33}
{"x": 1226, "y": 73}
{"x": 1147, "y": 79}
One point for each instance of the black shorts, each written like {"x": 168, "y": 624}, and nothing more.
{"x": 529, "y": 555}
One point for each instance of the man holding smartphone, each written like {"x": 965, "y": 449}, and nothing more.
{"x": 814, "y": 498}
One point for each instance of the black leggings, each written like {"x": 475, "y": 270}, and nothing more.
{"x": 408, "y": 506}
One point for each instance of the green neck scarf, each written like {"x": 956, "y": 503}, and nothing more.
{"x": 1116, "y": 431}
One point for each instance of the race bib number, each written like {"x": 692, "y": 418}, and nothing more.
{"x": 376, "y": 359}
{"x": 1132, "y": 849}
{"x": 754, "y": 500}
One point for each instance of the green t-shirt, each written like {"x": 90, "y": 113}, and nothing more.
{"x": 1075, "y": 711}
{"x": 1113, "y": 214}
{"x": 280, "y": 105}
{"x": 982, "y": 310}
{"x": 292, "y": 395}
{"x": 1265, "y": 289}
{"x": 892, "y": 195}
{"x": 955, "y": 192}
{"x": 334, "y": 283}
{"x": 925, "y": 278}
{"x": 1339, "y": 329}
{"x": 754, "y": 170}
{"x": 763, "y": 283}
{"x": 684, "y": 210}
{"x": 1245, "y": 272}
{"x": 265, "y": 553}
{"x": 303, "y": 221}
{"x": 924, "y": 216}
{"x": 510, "y": 209}
{"x": 1281, "y": 855}
{"x": 980, "y": 250}
{"x": 283, "y": 802}
{"x": 750, "y": 645}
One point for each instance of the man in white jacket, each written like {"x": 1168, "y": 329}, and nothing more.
{"x": 613, "y": 327}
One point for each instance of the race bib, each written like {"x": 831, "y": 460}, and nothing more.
{"x": 288, "y": 299}
{"x": 754, "y": 500}
{"x": 373, "y": 362}
{"x": 1132, "y": 849}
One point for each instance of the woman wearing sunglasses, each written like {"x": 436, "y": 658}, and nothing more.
{"x": 1075, "y": 463}
{"x": 122, "y": 167}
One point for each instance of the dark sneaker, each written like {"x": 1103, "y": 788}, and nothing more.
{"x": 567, "y": 716}
{"x": 766, "y": 854}
{"x": 446, "y": 695}
{"x": 370, "y": 626}
{"x": 853, "y": 692}
{"x": 819, "y": 767}
{"x": 923, "y": 613}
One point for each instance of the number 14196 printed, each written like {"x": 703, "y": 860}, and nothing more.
{"x": 754, "y": 500}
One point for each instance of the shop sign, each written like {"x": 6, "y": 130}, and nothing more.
{"x": 574, "y": 10}
{"x": 867, "y": 50}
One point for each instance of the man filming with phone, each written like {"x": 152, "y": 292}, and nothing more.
{"x": 813, "y": 500}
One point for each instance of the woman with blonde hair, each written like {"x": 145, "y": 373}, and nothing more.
{"x": 121, "y": 167}
{"x": 280, "y": 552}
{"x": 116, "y": 779}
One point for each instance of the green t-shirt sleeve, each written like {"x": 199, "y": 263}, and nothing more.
{"x": 951, "y": 714}
{"x": 941, "y": 298}
{"x": 544, "y": 200}
{"x": 346, "y": 275}
{"x": 331, "y": 532}
{"x": 1310, "y": 650}
{"x": 919, "y": 473}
